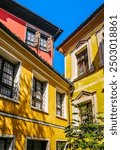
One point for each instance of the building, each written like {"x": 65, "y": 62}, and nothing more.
{"x": 34, "y": 98}
{"x": 84, "y": 65}
{"x": 37, "y": 32}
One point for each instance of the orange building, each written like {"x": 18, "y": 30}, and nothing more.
{"x": 37, "y": 32}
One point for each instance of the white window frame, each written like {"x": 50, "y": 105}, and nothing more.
{"x": 90, "y": 98}
{"x": 41, "y": 79}
{"x": 74, "y": 54}
{"x": 9, "y": 137}
{"x": 60, "y": 140}
{"x": 64, "y": 116}
{"x": 8, "y": 56}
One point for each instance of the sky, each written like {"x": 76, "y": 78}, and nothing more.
{"x": 65, "y": 14}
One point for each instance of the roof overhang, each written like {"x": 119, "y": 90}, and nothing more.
{"x": 95, "y": 19}
{"x": 30, "y": 17}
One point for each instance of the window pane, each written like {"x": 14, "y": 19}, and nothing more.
{"x": 43, "y": 42}
{"x": 8, "y": 68}
{"x": 30, "y": 37}
{"x": 82, "y": 62}
{"x": 7, "y": 79}
{"x": 59, "y": 104}
{"x": 5, "y": 91}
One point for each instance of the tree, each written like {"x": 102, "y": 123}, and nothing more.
{"x": 87, "y": 135}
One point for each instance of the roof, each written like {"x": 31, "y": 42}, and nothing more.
{"x": 30, "y": 17}
{"x": 3, "y": 27}
{"x": 81, "y": 26}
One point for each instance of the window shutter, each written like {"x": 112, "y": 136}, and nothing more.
{"x": 75, "y": 115}
{"x": 16, "y": 82}
{"x": 37, "y": 39}
{"x": 44, "y": 105}
{"x": 49, "y": 44}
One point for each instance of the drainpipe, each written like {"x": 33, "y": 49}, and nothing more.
{"x": 69, "y": 102}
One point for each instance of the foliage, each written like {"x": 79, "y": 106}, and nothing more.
{"x": 87, "y": 135}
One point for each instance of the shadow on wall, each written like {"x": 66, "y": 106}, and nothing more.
{"x": 22, "y": 129}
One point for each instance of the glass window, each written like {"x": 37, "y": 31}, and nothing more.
{"x": 60, "y": 145}
{"x": 6, "y": 77}
{"x": 6, "y": 143}
{"x": 36, "y": 145}
{"x": 82, "y": 62}
{"x": 38, "y": 94}
{"x": 86, "y": 114}
{"x": 30, "y": 37}
{"x": 59, "y": 104}
{"x": 43, "y": 42}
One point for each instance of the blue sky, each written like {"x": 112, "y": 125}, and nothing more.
{"x": 66, "y": 14}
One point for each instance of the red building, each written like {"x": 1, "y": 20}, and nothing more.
{"x": 37, "y": 32}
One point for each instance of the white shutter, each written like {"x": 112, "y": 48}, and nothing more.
{"x": 45, "y": 97}
{"x": 76, "y": 115}
{"x": 16, "y": 81}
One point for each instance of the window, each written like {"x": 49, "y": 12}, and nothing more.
{"x": 39, "y": 40}
{"x": 37, "y": 145}
{"x": 60, "y": 145}
{"x": 8, "y": 73}
{"x": 59, "y": 104}
{"x": 30, "y": 37}
{"x": 38, "y": 94}
{"x": 85, "y": 110}
{"x": 82, "y": 62}
{"x": 43, "y": 42}
{"x": 6, "y": 143}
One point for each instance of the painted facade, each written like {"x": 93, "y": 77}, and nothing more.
{"x": 84, "y": 67}
{"x": 38, "y": 33}
{"x": 33, "y": 96}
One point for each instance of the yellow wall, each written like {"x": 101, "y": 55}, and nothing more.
{"x": 21, "y": 128}
{"x": 94, "y": 81}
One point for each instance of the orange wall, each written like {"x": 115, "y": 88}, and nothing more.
{"x": 18, "y": 26}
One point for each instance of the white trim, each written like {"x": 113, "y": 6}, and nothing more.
{"x": 64, "y": 104}
{"x": 60, "y": 140}
{"x": 38, "y": 139}
{"x": 74, "y": 59}
{"x": 31, "y": 120}
{"x": 85, "y": 99}
{"x": 11, "y": 57}
{"x": 43, "y": 79}
{"x": 28, "y": 60}
{"x": 9, "y": 137}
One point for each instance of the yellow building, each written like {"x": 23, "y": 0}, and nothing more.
{"x": 33, "y": 98}
{"x": 83, "y": 51}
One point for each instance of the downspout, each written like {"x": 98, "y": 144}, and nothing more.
{"x": 69, "y": 102}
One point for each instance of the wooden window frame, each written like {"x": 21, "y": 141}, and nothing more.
{"x": 31, "y": 43}
{"x": 89, "y": 109}
{"x": 34, "y": 98}
{"x": 61, "y": 101}
{"x": 3, "y": 84}
{"x": 57, "y": 144}
{"x": 83, "y": 60}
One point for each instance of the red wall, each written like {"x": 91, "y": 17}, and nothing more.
{"x": 18, "y": 26}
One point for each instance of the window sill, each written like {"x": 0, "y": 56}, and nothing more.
{"x": 89, "y": 71}
{"x": 61, "y": 117}
{"x": 9, "y": 99}
{"x": 42, "y": 111}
